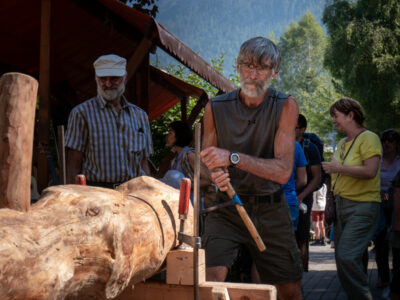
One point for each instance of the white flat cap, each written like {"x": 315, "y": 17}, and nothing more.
{"x": 110, "y": 65}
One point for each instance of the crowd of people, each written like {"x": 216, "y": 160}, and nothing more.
{"x": 254, "y": 139}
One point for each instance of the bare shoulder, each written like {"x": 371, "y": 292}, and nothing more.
{"x": 291, "y": 106}
{"x": 290, "y": 113}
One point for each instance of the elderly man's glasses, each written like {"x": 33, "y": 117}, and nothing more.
{"x": 260, "y": 70}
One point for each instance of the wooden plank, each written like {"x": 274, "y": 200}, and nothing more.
{"x": 17, "y": 117}
{"x": 236, "y": 291}
{"x": 220, "y": 293}
{"x": 44, "y": 93}
{"x": 180, "y": 266}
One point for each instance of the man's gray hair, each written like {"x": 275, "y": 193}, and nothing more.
{"x": 257, "y": 51}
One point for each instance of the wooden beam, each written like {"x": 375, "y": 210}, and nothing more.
{"x": 18, "y": 94}
{"x": 142, "y": 50}
{"x": 236, "y": 291}
{"x": 168, "y": 86}
{"x": 201, "y": 103}
{"x": 44, "y": 93}
{"x": 184, "y": 102}
{"x": 142, "y": 85}
{"x": 220, "y": 293}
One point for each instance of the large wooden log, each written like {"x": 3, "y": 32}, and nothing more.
{"x": 18, "y": 94}
{"x": 81, "y": 242}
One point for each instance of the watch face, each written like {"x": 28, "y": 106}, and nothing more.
{"x": 235, "y": 158}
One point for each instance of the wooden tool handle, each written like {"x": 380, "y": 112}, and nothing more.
{"x": 246, "y": 220}
{"x": 250, "y": 227}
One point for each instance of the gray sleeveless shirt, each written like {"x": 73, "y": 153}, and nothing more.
{"x": 249, "y": 130}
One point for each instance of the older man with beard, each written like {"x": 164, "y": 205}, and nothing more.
{"x": 108, "y": 138}
{"x": 249, "y": 138}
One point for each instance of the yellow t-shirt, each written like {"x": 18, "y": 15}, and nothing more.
{"x": 366, "y": 146}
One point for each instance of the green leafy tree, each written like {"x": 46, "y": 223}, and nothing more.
{"x": 303, "y": 75}
{"x": 364, "y": 53}
{"x": 145, "y": 6}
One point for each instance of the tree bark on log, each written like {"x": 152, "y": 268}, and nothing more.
{"x": 18, "y": 94}
{"x": 81, "y": 242}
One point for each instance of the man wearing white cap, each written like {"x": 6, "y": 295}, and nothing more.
{"x": 108, "y": 138}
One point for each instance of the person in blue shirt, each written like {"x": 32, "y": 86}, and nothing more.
{"x": 297, "y": 179}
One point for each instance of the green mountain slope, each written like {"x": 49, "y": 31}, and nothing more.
{"x": 210, "y": 27}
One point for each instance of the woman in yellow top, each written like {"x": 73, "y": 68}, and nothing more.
{"x": 355, "y": 168}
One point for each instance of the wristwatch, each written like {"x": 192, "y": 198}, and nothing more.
{"x": 234, "y": 158}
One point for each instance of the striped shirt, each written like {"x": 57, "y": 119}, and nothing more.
{"x": 113, "y": 144}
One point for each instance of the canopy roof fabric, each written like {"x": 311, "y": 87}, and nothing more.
{"x": 83, "y": 30}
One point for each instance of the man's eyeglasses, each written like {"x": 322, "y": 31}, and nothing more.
{"x": 260, "y": 70}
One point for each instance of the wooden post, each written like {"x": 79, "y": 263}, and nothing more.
{"x": 184, "y": 102}
{"x": 44, "y": 93}
{"x": 61, "y": 149}
{"x": 18, "y": 94}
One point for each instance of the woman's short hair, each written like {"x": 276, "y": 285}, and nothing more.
{"x": 257, "y": 51}
{"x": 183, "y": 133}
{"x": 346, "y": 105}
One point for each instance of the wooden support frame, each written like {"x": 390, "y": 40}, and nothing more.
{"x": 236, "y": 291}
{"x": 141, "y": 51}
{"x": 142, "y": 85}
{"x": 168, "y": 86}
{"x": 201, "y": 103}
{"x": 61, "y": 150}
{"x": 44, "y": 93}
{"x": 184, "y": 102}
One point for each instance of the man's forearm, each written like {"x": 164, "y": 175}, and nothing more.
{"x": 277, "y": 170}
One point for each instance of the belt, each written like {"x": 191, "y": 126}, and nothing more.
{"x": 272, "y": 198}
{"x": 109, "y": 185}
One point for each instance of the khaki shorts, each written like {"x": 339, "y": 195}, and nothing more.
{"x": 225, "y": 233}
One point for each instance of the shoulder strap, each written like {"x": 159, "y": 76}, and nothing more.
{"x": 344, "y": 158}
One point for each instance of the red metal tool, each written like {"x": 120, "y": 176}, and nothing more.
{"x": 183, "y": 204}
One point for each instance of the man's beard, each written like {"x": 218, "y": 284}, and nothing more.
{"x": 110, "y": 94}
{"x": 261, "y": 86}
